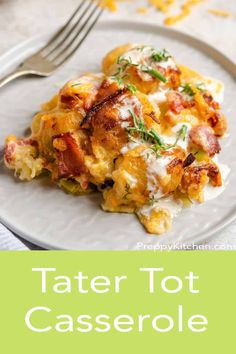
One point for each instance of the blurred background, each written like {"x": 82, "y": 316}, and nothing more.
{"x": 211, "y": 20}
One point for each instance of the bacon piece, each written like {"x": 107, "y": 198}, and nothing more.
{"x": 107, "y": 89}
{"x": 195, "y": 179}
{"x": 9, "y": 151}
{"x": 204, "y": 138}
{"x": 11, "y": 147}
{"x": 194, "y": 174}
{"x": 109, "y": 100}
{"x": 189, "y": 160}
{"x": 78, "y": 101}
{"x": 70, "y": 160}
{"x": 174, "y": 76}
{"x": 177, "y": 102}
{"x": 210, "y": 100}
{"x": 213, "y": 172}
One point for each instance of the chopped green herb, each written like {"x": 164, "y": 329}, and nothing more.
{"x": 157, "y": 150}
{"x": 145, "y": 134}
{"x": 153, "y": 72}
{"x": 78, "y": 84}
{"x": 182, "y": 133}
{"x": 181, "y": 136}
{"x": 141, "y": 49}
{"x": 152, "y": 200}
{"x": 118, "y": 80}
{"x": 200, "y": 86}
{"x": 161, "y": 56}
{"x": 186, "y": 88}
{"x": 124, "y": 63}
{"x": 127, "y": 191}
{"x": 152, "y": 137}
{"x": 122, "y": 60}
{"x": 132, "y": 88}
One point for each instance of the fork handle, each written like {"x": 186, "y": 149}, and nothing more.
{"x": 14, "y": 75}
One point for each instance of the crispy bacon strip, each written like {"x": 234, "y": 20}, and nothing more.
{"x": 70, "y": 160}
{"x": 193, "y": 174}
{"x": 109, "y": 99}
{"x": 204, "y": 138}
{"x": 189, "y": 160}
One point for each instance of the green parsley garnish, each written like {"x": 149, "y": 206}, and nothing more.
{"x": 118, "y": 80}
{"x": 152, "y": 137}
{"x": 132, "y": 88}
{"x": 161, "y": 56}
{"x": 126, "y": 62}
{"x": 154, "y": 73}
{"x": 182, "y": 133}
{"x": 200, "y": 86}
{"x": 186, "y": 88}
{"x": 145, "y": 134}
{"x": 141, "y": 49}
{"x": 152, "y": 200}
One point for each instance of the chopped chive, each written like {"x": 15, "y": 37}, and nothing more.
{"x": 161, "y": 56}
{"x": 152, "y": 137}
{"x": 200, "y": 86}
{"x": 132, "y": 88}
{"x": 154, "y": 73}
{"x": 186, "y": 88}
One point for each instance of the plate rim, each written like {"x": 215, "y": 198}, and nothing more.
{"x": 199, "y": 44}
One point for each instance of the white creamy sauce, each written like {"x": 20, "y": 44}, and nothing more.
{"x": 130, "y": 146}
{"x": 216, "y": 88}
{"x": 211, "y": 192}
{"x": 158, "y": 97}
{"x": 125, "y": 125}
{"x": 128, "y": 104}
{"x": 87, "y": 79}
{"x": 182, "y": 142}
{"x": 156, "y": 167}
{"x": 171, "y": 139}
{"x": 173, "y": 206}
{"x": 143, "y": 56}
{"x": 137, "y": 56}
{"x": 131, "y": 180}
{"x": 170, "y": 63}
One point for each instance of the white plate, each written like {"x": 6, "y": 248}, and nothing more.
{"x": 44, "y": 215}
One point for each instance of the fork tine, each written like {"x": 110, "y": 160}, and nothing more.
{"x": 66, "y": 35}
{"x": 80, "y": 25}
{"x": 62, "y": 60}
{"x": 61, "y": 30}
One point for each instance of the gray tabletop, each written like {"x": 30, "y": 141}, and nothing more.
{"x": 20, "y": 20}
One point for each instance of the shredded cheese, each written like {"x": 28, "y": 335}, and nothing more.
{"x": 142, "y": 10}
{"x": 165, "y": 6}
{"x": 185, "y": 11}
{"x": 109, "y": 4}
{"x": 162, "y": 5}
{"x": 219, "y": 13}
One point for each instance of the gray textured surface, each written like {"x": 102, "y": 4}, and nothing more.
{"x": 20, "y": 20}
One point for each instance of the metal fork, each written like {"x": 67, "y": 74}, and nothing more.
{"x": 62, "y": 45}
